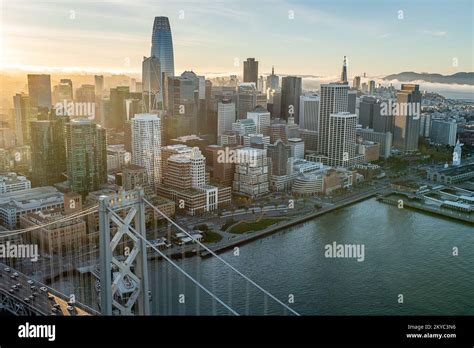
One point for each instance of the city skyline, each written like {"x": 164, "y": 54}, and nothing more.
{"x": 220, "y": 36}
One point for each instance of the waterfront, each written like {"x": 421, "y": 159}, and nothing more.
{"x": 406, "y": 252}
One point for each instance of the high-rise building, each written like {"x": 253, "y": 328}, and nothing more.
{"x": 261, "y": 118}
{"x": 342, "y": 139}
{"x": 309, "y": 112}
{"x": 152, "y": 83}
{"x": 24, "y": 114}
{"x": 63, "y": 91}
{"x": 352, "y": 102}
{"x": 296, "y": 147}
{"x": 246, "y": 99}
{"x": 443, "y": 132}
{"x": 86, "y": 149}
{"x": 162, "y": 45}
{"x": 251, "y": 70}
{"x": 48, "y": 156}
{"x": 344, "y": 71}
{"x": 279, "y": 154}
{"x": 356, "y": 83}
{"x": 244, "y": 127}
{"x": 382, "y": 138}
{"x": 85, "y": 94}
{"x": 99, "y": 85}
{"x": 225, "y": 116}
{"x": 372, "y": 87}
{"x": 39, "y": 90}
{"x": 333, "y": 99}
{"x": 274, "y": 103}
{"x": 290, "y": 97}
{"x": 369, "y": 111}
{"x": 146, "y": 146}
{"x": 251, "y": 173}
{"x": 117, "y": 107}
{"x": 273, "y": 81}
{"x": 407, "y": 121}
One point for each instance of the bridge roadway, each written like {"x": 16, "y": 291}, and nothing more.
{"x": 18, "y": 290}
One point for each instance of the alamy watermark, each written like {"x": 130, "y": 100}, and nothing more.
{"x": 19, "y": 251}
{"x": 410, "y": 109}
{"x": 75, "y": 109}
{"x": 237, "y": 156}
{"x": 335, "y": 250}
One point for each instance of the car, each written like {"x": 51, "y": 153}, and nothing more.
{"x": 33, "y": 288}
{"x": 6, "y": 269}
{"x": 18, "y": 285}
{"x": 12, "y": 276}
{"x": 70, "y": 308}
{"x": 26, "y": 299}
{"x": 30, "y": 282}
{"x": 11, "y": 291}
{"x": 14, "y": 287}
{"x": 54, "y": 310}
{"x": 43, "y": 288}
{"x": 51, "y": 297}
{"x": 31, "y": 297}
{"x": 16, "y": 274}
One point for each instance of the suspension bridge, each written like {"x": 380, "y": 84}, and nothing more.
{"x": 121, "y": 271}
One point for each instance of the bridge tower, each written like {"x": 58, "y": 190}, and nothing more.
{"x": 123, "y": 259}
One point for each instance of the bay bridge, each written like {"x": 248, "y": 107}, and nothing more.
{"x": 125, "y": 273}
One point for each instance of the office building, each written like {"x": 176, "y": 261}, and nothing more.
{"x": 11, "y": 182}
{"x": 39, "y": 90}
{"x": 86, "y": 149}
{"x": 261, "y": 118}
{"x": 225, "y": 116}
{"x": 162, "y": 45}
{"x": 17, "y": 203}
{"x": 384, "y": 139}
{"x": 309, "y": 112}
{"x": 146, "y": 146}
{"x": 251, "y": 70}
{"x": 48, "y": 155}
{"x": 152, "y": 83}
{"x": 342, "y": 139}
{"x": 407, "y": 121}
{"x": 290, "y": 97}
{"x": 23, "y": 114}
{"x": 273, "y": 81}
{"x": 443, "y": 132}
{"x": 333, "y": 99}
{"x": 251, "y": 176}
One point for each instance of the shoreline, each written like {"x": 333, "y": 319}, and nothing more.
{"x": 194, "y": 250}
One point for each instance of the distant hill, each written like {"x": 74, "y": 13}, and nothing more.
{"x": 461, "y": 78}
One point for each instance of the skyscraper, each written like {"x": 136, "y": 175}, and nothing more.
{"x": 251, "y": 71}
{"x": 333, "y": 99}
{"x": 309, "y": 112}
{"x": 279, "y": 153}
{"x": 48, "y": 157}
{"x": 344, "y": 71}
{"x": 39, "y": 90}
{"x": 99, "y": 85}
{"x": 152, "y": 83}
{"x": 225, "y": 116}
{"x": 86, "y": 149}
{"x": 146, "y": 146}
{"x": 290, "y": 97}
{"x": 162, "y": 45}
{"x": 273, "y": 81}
{"x": 246, "y": 99}
{"x": 356, "y": 82}
{"x": 407, "y": 122}
{"x": 342, "y": 139}
{"x": 23, "y": 115}
{"x": 261, "y": 118}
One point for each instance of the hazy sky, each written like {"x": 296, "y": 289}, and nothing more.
{"x": 298, "y": 37}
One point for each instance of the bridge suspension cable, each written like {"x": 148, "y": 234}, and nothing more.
{"x": 176, "y": 266}
{"x": 222, "y": 260}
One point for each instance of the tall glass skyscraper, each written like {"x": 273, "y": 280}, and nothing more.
{"x": 162, "y": 45}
